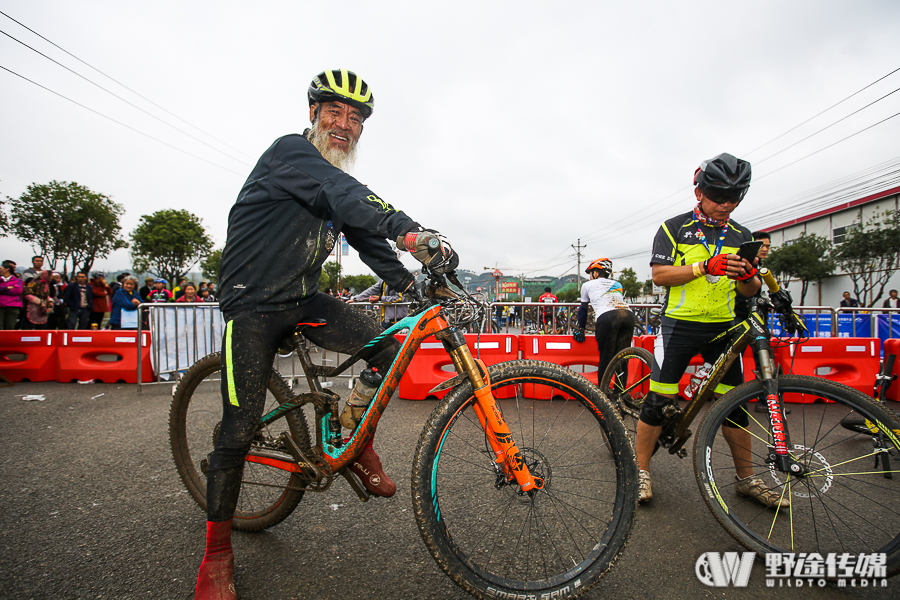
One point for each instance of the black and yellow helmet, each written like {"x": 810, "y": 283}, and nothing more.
{"x": 341, "y": 85}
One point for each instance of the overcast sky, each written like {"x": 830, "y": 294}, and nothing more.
{"x": 514, "y": 128}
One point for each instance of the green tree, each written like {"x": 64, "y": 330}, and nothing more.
{"x": 168, "y": 243}
{"x": 210, "y": 265}
{"x": 807, "y": 259}
{"x": 648, "y": 287}
{"x": 632, "y": 287}
{"x": 66, "y": 222}
{"x": 358, "y": 283}
{"x": 871, "y": 255}
{"x": 569, "y": 293}
{"x": 331, "y": 275}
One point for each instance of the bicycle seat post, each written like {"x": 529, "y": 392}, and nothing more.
{"x": 305, "y": 362}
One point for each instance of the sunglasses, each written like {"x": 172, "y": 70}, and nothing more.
{"x": 725, "y": 196}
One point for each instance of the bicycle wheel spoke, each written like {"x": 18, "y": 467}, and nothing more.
{"x": 268, "y": 494}
{"x": 539, "y": 540}
{"x": 840, "y": 497}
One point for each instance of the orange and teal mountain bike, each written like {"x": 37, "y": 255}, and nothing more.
{"x": 524, "y": 481}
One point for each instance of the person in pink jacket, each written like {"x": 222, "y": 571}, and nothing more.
{"x": 10, "y": 295}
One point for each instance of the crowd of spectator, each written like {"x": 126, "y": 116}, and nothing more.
{"x": 39, "y": 298}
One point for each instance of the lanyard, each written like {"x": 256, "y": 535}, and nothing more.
{"x": 719, "y": 244}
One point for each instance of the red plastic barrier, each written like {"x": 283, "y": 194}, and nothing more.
{"x": 648, "y": 342}
{"x": 851, "y": 361}
{"x": 561, "y": 350}
{"x": 431, "y": 364}
{"x": 110, "y": 356}
{"x": 892, "y": 346}
{"x": 495, "y": 348}
{"x": 28, "y": 355}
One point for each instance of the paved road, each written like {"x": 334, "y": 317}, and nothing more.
{"x": 91, "y": 507}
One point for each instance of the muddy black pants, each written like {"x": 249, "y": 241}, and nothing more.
{"x": 248, "y": 350}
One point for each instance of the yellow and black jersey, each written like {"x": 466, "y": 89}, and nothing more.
{"x": 705, "y": 299}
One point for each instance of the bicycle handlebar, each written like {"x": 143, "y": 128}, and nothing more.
{"x": 770, "y": 280}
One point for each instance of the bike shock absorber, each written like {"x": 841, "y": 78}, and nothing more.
{"x": 334, "y": 426}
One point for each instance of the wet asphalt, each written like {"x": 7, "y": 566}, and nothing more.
{"x": 91, "y": 507}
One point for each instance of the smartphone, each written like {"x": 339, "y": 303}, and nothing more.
{"x": 749, "y": 250}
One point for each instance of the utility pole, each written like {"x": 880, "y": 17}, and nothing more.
{"x": 578, "y": 248}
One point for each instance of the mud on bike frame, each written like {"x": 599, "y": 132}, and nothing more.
{"x": 338, "y": 453}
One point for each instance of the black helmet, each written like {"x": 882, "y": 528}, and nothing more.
{"x": 723, "y": 178}
{"x": 341, "y": 85}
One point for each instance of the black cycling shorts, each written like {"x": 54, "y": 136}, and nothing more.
{"x": 677, "y": 343}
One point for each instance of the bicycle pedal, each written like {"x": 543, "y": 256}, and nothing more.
{"x": 361, "y": 491}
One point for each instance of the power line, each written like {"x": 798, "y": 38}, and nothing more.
{"x": 881, "y": 176}
{"x": 828, "y": 146}
{"x": 122, "y": 124}
{"x": 620, "y": 231}
{"x": 123, "y": 99}
{"x": 125, "y": 86}
{"x": 599, "y": 233}
{"x": 824, "y": 128}
{"x": 821, "y": 113}
{"x": 878, "y": 177}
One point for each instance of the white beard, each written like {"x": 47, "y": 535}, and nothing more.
{"x": 343, "y": 160}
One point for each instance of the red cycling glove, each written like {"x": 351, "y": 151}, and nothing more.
{"x": 749, "y": 275}
{"x": 716, "y": 265}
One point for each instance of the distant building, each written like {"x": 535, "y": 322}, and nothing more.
{"x": 833, "y": 223}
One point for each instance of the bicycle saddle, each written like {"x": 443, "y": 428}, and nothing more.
{"x": 309, "y": 324}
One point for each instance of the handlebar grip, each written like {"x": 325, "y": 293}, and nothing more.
{"x": 420, "y": 240}
{"x": 767, "y": 276}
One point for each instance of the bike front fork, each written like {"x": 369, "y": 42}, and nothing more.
{"x": 508, "y": 459}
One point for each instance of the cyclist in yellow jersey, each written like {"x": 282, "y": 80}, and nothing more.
{"x": 694, "y": 256}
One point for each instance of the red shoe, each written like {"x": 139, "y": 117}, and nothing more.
{"x": 216, "y": 578}
{"x": 367, "y": 467}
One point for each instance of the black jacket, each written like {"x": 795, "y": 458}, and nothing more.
{"x": 285, "y": 223}
{"x": 73, "y": 296}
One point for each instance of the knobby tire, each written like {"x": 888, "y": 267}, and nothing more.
{"x": 626, "y": 382}
{"x": 491, "y": 539}
{"x": 268, "y": 495}
{"x": 846, "y": 503}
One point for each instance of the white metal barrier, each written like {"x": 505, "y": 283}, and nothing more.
{"x": 182, "y": 333}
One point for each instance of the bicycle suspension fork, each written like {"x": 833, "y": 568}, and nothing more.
{"x": 779, "y": 455}
{"x": 508, "y": 457}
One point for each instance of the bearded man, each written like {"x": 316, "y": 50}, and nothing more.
{"x": 281, "y": 230}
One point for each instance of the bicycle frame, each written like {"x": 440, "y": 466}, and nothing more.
{"x": 753, "y": 331}
{"x": 338, "y": 454}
